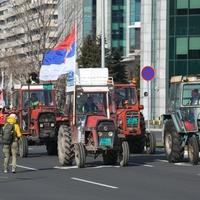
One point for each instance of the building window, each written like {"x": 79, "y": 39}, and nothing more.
{"x": 194, "y": 4}
{"x": 194, "y": 7}
{"x": 194, "y": 48}
{"x": 194, "y": 28}
{"x": 134, "y": 39}
{"x": 135, "y": 6}
{"x": 182, "y": 7}
{"x": 181, "y": 25}
{"x": 181, "y": 4}
{"x": 182, "y": 47}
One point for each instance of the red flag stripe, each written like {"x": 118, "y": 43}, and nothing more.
{"x": 70, "y": 38}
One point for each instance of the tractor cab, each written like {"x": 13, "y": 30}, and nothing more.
{"x": 91, "y": 128}
{"x": 182, "y": 120}
{"x": 185, "y": 104}
{"x": 125, "y": 95}
{"x": 36, "y": 109}
{"x": 130, "y": 119}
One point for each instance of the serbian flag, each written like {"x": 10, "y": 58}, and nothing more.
{"x": 60, "y": 60}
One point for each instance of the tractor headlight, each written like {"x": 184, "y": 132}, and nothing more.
{"x": 41, "y": 125}
{"x": 110, "y": 133}
{"x": 100, "y": 134}
{"x": 52, "y": 124}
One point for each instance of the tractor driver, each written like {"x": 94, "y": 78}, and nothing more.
{"x": 34, "y": 100}
{"x": 194, "y": 97}
{"x": 90, "y": 106}
{"x": 33, "y": 104}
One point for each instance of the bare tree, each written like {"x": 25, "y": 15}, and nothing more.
{"x": 37, "y": 29}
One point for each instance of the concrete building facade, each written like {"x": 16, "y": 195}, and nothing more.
{"x": 15, "y": 38}
{"x": 154, "y": 53}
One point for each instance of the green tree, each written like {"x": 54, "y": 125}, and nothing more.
{"x": 90, "y": 53}
{"x": 117, "y": 68}
{"x": 90, "y": 56}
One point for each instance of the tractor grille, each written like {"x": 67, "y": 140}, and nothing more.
{"x": 47, "y": 117}
{"x": 106, "y": 126}
{"x": 47, "y": 124}
{"x": 132, "y": 119}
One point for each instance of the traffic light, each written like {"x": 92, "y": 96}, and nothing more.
{"x": 33, "y": 78}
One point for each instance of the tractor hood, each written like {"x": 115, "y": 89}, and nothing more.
{"x": 36, "y": 112}
{"x": 92, "y": 121}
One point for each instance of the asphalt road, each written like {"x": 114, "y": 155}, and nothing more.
{"x": 147, "y": 177}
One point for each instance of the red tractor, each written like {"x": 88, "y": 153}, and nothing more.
{"x": 130, "y": 120}
{"x": 38, "y": 116}
{"x": 90, "y": 129}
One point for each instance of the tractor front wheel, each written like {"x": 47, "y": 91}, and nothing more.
{"x": 124, "y": 154}
{"x": 193, "y": 150}
{"x": 150, "y": 143}
{"x": 23, "y": 147}
{"x": 65, "y": 153}
{"x": 172, "y": 143}
{"x": 80, "y": 155}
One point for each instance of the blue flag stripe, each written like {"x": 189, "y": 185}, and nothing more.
{"x": 54, "y": 57}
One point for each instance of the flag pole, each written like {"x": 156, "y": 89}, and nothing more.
{"x": 102, "y": 34}
{"x": 75, "y": 71}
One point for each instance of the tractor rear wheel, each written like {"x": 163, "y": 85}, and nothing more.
{"x": 172, "y": 143}
{"x": 150, "y": 143}
{"x": 23, "y": 147}
{"x": 80, "y": 156}
{"x": 109, "y": 157}
{"x": 124, "y": 154}
{"x": 65, "y": 153}
{"x": 193, "y": 150}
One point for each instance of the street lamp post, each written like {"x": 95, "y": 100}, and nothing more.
{"x": 102, "y": 34}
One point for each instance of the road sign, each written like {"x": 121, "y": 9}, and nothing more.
{"x": 148, "y": 73}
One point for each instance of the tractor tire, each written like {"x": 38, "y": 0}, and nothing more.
{"x": 172, "y": 143}
{"x": 193, "y": 150}
{"x": 80, "y": 156}
{"x": 150, "y": 143}
{"x": 51, "y": 148}
{"x": 124, "y": 154}
{"x": 64, "y": 145}
{"x": 23, "y": 147}
{"x": 109, "y": 157}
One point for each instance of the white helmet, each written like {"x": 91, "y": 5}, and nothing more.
{"x": 13, "y": 115}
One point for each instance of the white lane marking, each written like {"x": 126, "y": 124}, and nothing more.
{"x": 148, "y": 165}
{"x": 183, "y": 164}
{"x": 89, "y": 167}
{"x": 24, "y": 167}
{"x": 141, "y": 164}
{"x": 94, "y": 183}
{"x": 67, "y": 167}
{"x": 159, "y": 160}
{"x": 103, "y": 166}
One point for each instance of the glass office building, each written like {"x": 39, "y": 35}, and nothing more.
{"x": 89, "y": 17}
{"x": 125, "y": 26}
{"x": 170, "y": 43}
{"x": 184, "y": 37}
{"x": 122, "y": 22}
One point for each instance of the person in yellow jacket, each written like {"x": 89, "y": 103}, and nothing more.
{"x": 12, "y": 148}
